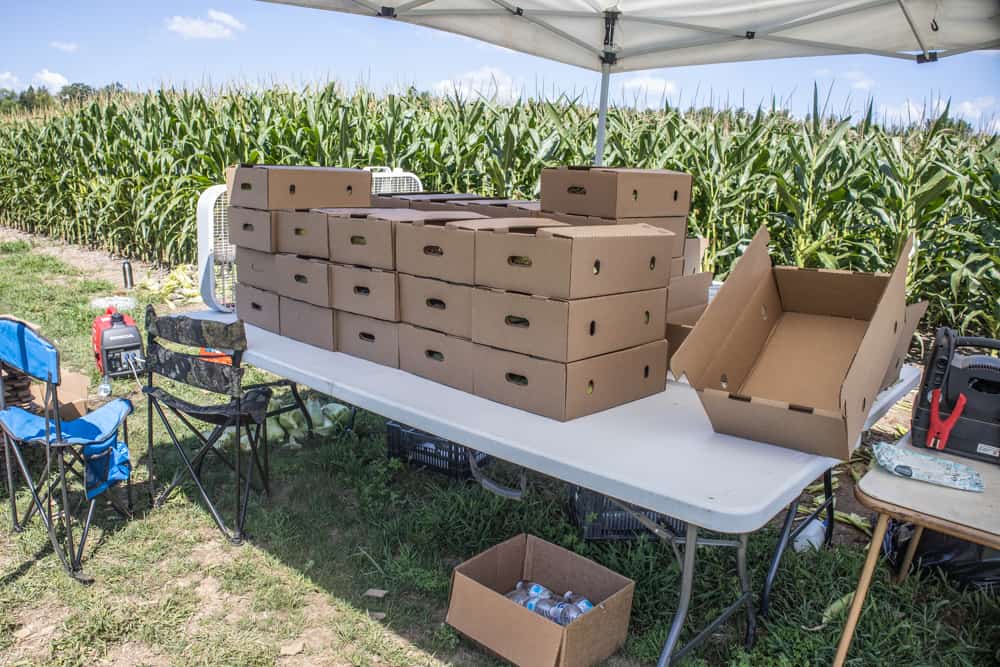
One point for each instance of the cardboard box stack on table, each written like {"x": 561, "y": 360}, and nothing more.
{"x": 284, "y": 276}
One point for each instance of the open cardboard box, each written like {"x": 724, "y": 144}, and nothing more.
{"x": 791, "y": 356}
{"x": 479, "y": 609}
{"x": 914, "y": 312}
{"x": 607, "y": 192}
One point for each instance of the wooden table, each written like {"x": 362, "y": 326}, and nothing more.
{"x": 974, "y": 517}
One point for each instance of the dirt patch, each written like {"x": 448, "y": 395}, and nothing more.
{"x": 134, "y": 654}
{"x": 317, "y": 644}
{"x": 36, "y": 627}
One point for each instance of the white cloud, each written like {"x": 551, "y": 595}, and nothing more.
{"x": 67, "y": 47}
{"x": 489, "y": 82}
{"x": 8, "y": 80}
{"x": 54, "y": 81}
{"x": 650, "y": 85}
{"x": 859, "y": 80}
{"x": 225, "y": 19}
{"x": 974, "y": 109}
{"x": 218, "y": 25}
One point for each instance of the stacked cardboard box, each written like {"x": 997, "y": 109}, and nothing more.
{"x": 285, "y": 281}
{"x": 424, "y": 201}
{"x": 687, "y": 296}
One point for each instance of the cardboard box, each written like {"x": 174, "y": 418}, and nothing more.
{"x": 388, "y": 200}
{"x": 534, "y": 256}
{"x": 676, "y": 267}
{"x": 435, "y": 304}
{"x": 437, "y": 356}
{"x": 675, "y": 224}
{"x": 307, "y": 323}
{"x": 258, "y": 307}
{"x": 499, "y": 208}
{"x": 912, "y": 316}
{"x": 255, "y": 268}
{"x": 433, "y": 245}
{"x": 682, "y": 325}
{"x": 304, "y": 279}
{"x": 437, "y": 201}
{"x": 616, "y": 193}
{"x": 302, "y": 233}
{"x": 479, "y": 609}
{"x": 567, "y": 391}
{"x": 794, "y": 356}
{"x": 74, "y": 389}
{"x": 253, "y": 229}
{"x": 694, "y": 254}
{"x": 362, "y": 241}
{"x": 567, "y": 330}
{"x": 285, "y": 187}
{"x": 363, "y": 291}
{"x": 686, "y": 292}
{"x": 368, "y": 338}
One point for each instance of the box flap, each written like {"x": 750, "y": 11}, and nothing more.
{"x": 913, "y": 314}
{"x": 604, "y": 231}
{"x": 523, "y": 225}
{"x": 688, "y": 291}
{"x": 830, "y": 292}
{"x": 876, "y": 349}
{"x": 723, "y": 312}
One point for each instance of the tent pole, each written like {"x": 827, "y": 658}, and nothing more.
{"x": 602, "y": 114}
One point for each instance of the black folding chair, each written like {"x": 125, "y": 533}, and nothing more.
{"x": 88, "y": 447}
{"x": 246, "y": 410}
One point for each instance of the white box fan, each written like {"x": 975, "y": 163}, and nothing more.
{"x": 217, "y": 256}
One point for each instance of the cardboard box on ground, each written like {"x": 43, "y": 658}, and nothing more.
{"x": 794, "y": 357}
{"x": 478, "y": 608}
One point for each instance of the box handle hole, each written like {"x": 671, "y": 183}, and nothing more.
{"x": 593, "y": 327}
{"x": 255, "y": 306}
{"x": 361, "y": 290}
{"x": 895, "y": 326}
{"x": 367, "y": 337}
{"x": 645, "y": 372}
{"x": 247, "y": 227}
{"x": 652, "y": 263}
{"x": 350, "y": 189}
{"x": 515, "y": 321}
{"x": 434, "y": 250}
{"x": 597, "y": 266}
{"x": 435, "y": 355}
{"x": 576, "y": 190}
{"x": 724, "y": 381}
{"x": 291, "y": 189}
{"x": 299, "y": 278}
{"x": 246, "y": 186}
{"x": 514, "y": 378}
{"x": 299, "y": 231}
{"x": 590, "y": 387}
{"x": 676, "y": 195}
{"x": 357, "y": 239}
{"x": 635, "y": 195}
{"x": 436, "y": 303}
{"x": 519, "y": 260}
{"x": 647, "y": 317}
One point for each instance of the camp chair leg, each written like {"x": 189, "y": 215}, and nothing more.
{"x": 266, "y": 445}
{"x": 9, "y": 465}
{"x": 65, "y": 509}
{"x": 301, "y": 405}
{"x": 829, "y": 499}
{"x": 874, "y": 549}
{"x": 151, "y": 482}
{"x": 256, "y": 444}
{"x": 83, "y": 534}
{"x": 49, "y": 526}
{"x": 772, "y": 570}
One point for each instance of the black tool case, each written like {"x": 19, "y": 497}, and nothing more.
{"x": 954, "y": 367}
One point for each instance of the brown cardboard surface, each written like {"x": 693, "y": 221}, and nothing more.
{"x": 258, "y": 307}
{"x": 435, "y": 304}
{"x": 436, "y": 196}
{"x": 791, "y": 356}
{"x": 302, "y": 233}
{"x": 287, "y": 187}
{"x": 388, "y": 201}
{"x": 676, "y": 267}
{"x": 436, "y": 356}
{"x": 694, "y": 253}
{"x": 74, "y": 389}
{"x": 499, "y": 208}
{"x": 363, "y": 291}
{"x": 428, "y": 246}
{"x": 522, "y": 255}
{"x": 250, "y": 228}
{"x": 364, "y": 242}
{"x": 368, "y": 338}
{"x": 256, "y": 268}
{"x": 566, "y": 391}
{"x": 616, "y": 193}
{"x": 533, "y": 208}
{"x": 567, "y": 330}
{"x": 685, "y": 316}
{"x": 677, "y": 225}
{"x": 478, "y": 609}
{"x": 912, "y": 316}
{"x": 306, "y": 323}
{"x": 688, "y": 291}
{"x": 304, "y": 279}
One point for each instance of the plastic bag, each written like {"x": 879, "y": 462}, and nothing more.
{"x": 969, "y": 565}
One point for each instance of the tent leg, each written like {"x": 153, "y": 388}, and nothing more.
{"x": 602, "y": 115}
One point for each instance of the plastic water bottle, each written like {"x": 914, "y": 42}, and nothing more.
{"x": 534, "y": 589}
{"x": 547, "y": 607}
{"x": 104, "y": 389}
{"x": 579, "y": 601}
{"x": 520, "y": 596}
{"x": 811, "y": 537}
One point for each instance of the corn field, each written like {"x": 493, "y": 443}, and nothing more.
{"x": 124, "y": 173}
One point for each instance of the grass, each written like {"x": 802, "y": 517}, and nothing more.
{"x": 342, "y": 519}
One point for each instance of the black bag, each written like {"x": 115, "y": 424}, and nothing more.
{"x": 969, "y": 565}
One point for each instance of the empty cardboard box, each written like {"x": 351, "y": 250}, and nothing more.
{"x": 363, "y": 291}
{"x": 433, "y": 245}
{"x": 253, "y": 229}
{"x": 368, "y": 338}
{"x": 478, "y": 608}
{"x": 912, "y": 316}
{"x": 285, "y": 187}
{"x": 546, "y": 258}
{"x": 257, "y": 307}
{"x": 307, "y": 323}
{"x": 437, "y": 356}
{"x": 607, "y": 192}
{"x": 435, "y": 304}
{"x": 567, "y": 391}
{"x": 794, "y": 357}
{"x": 567, "y": 330}
{"x": 256, "y": 268}
{"x": 302, "y": 233}
{"x": 304, "y": 279}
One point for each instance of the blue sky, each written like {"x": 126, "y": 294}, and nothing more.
{"x": 187, "y": 43}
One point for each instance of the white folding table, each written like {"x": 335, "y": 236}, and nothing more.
{"x": 658, "y": 453}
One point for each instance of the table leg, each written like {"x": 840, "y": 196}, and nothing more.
{"x": 911, "y": 549}
{"x": 744, "y": 574}
{"x": 862, "y": 591}
{"x": 772, "y": 571}
{"x": 687, "y": 584}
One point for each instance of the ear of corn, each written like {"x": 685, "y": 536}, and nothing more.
{"x": 124, "y": 173}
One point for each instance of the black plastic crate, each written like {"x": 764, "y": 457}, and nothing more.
{"x": 423, "y": 449}
{"x": 600, "y": 519}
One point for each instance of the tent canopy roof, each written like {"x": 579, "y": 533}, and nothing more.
{"x": 630, "y": 35}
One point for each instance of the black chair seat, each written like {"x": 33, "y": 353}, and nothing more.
{"x": 253, "y": 407}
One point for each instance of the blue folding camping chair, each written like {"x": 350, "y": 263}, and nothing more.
{"x": 91, "y": 442}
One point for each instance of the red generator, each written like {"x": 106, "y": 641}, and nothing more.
{"x": 117, "y": 344}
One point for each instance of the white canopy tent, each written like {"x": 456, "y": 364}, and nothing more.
{"x": 627, "y": 35}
